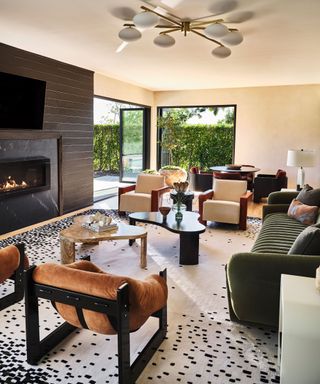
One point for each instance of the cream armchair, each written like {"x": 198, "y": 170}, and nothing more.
{"x": 144, "y": 196}
{"x": 226, "y": 203}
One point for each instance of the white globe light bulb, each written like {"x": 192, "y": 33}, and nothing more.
{"x": 233, "y": 38}
{"x": 146, "y": 20}
{"x": 164, "y": 41}
{"x": 221, "y": 52}
{"x": 129, "y": 34}
{"x": 216, "y": 30}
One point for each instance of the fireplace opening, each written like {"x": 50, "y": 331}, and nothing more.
{"x": 24, "y": 175}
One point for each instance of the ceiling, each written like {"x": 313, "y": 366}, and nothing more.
{"x": 280, "y": 47}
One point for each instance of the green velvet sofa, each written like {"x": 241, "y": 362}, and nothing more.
{"x": 253, "y": 278}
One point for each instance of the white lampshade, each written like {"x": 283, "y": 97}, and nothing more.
{"x": 146, "y": 20}
{"x": 232, "y": 38}
{"x": 164, "y": 41}
{"x": 301, "y": 158}
{"x": 221, "y": 52}
{"x": 216, "y": 30}
{"x": 129, "y": 34}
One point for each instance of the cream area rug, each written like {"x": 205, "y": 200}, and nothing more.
{"x": 202, "y": 345}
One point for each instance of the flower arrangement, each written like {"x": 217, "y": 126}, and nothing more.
{"x": 181, "y": 186}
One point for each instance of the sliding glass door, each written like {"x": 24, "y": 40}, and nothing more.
{"x": 133, "y": 143}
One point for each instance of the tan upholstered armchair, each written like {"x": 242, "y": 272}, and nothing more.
{"x": 226, "y": 203}
{"x": 87, "y": 297}
{"x": 12, "y": 264}
{"x": 144, "y": 196}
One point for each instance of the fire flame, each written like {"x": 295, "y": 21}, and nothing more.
{"x": 11, "y": 184}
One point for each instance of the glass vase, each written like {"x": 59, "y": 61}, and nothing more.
{"x": 178, "y": 208}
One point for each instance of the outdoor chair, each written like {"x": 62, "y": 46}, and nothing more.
{"x": 12, "y": 264}
{"x": 200, "y": 180}
{"x": 227, "y": 202}
{"x": 87, "y": 297}
{"x": 144, "y": 196}
{"x": 264, "y": 184}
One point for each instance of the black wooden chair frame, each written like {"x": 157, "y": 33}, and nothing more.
{"x": 17, "y": 277}
{"x": 118, "y": 309}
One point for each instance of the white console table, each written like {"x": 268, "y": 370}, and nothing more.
{"x": 299, "y": 331}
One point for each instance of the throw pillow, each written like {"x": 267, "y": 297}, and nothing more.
{"x": 308, "y": 242}
{"x": 309, "y": 196}
{"x": 306, "y": 214}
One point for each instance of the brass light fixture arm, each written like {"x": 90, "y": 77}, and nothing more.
{"x": 208, "y": 38}
{"x": 163, "y": 16}
{"x": 169, "y": 31}
{"x": 215, "y": 21}
{"x": 167, "y": 26}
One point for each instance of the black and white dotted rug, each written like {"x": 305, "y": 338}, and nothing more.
{"x": 202, "y": 345}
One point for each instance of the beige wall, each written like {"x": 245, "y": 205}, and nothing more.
{"x": 270, "y": 120}
{"x": 119, "y": 90}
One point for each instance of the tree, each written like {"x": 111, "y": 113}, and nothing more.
{"x": 170, "y": 125}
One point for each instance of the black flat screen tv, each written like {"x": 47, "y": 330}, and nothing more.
{"x": 21, "y": 102}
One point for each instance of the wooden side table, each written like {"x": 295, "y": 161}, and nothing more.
{"x": 299, "y": 331}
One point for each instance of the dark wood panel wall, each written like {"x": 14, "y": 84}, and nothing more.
{"x": 68, "y": 114}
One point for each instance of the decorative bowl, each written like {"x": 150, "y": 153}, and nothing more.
{"x": 235, "y": 167}
{"x": 173, "y": 175}
{"x": 164, "y": 211}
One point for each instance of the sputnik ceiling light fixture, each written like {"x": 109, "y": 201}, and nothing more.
{"x": 208, "y": 29}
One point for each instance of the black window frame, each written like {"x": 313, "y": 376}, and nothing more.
{"x": 160, "y": 114}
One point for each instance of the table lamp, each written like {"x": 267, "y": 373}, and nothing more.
{"x": 301, "y": 158}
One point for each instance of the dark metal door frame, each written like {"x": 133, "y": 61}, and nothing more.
{"x": 145, "y": 138}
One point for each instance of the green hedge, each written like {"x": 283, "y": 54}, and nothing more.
{"x": 106, "y": 147}
{"x": 203, "y": 145}
{"x": 198, "y": 145}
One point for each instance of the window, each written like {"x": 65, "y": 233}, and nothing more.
{"x": 196, "y": 136}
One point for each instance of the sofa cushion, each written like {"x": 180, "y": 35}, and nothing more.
{"x": 221, "y": 211}
{"x": 135, "y": 202}
{"x": 309, "y": 196}
{"x": 308, "y": 242}
{"x": 306, "y": 214}
{"x": 277, "y": 234}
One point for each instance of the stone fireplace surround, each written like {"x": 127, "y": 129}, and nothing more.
{"x": 22, "y": 209}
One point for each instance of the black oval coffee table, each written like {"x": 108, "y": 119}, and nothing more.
{"x": 188, "y": 229}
